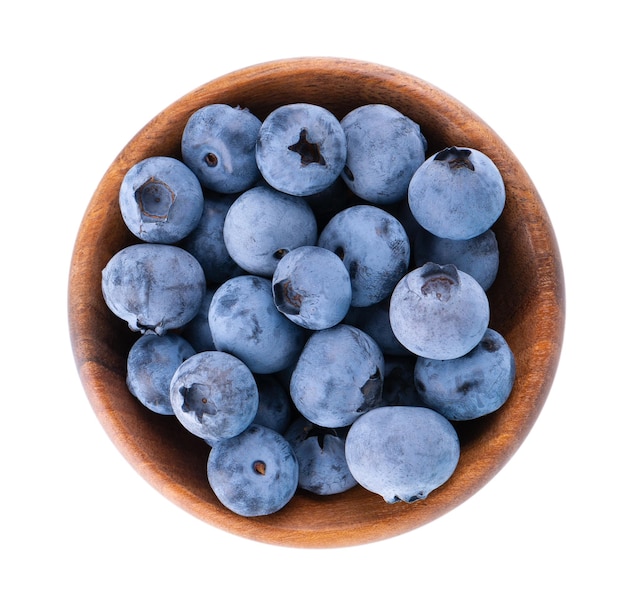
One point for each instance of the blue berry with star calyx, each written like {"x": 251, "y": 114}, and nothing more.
{"x": 311, "y": 287}
{"x": 214, "y": 395}
{"x": 439, "y": 312}
{"x": 160, "y": 200}
{"x": 301, "y": 149}
{"x": 457, "y": 193}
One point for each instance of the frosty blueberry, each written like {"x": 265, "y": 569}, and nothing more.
{"x": 206, "y": 240}
{"x": 214, "y": 395}
{"x": 471, "y": 386}
{"x": 478, "y": 256}
{"x": 274, "y": 404}
{"x": 311, "y": 287}
{"x": 457, "y": 193}
{"x": 219, "y": 145}
{"x": 438, "y": 312}
{"x": 374, "y": 320}
{"x": 153, "y": 287}
{"x": 150, "y": 366}
{"x": 301, "y": 149}
{"x": 245, "y": 322}
{"x": 263, "y": 224}
{"x": 399, "y": 385}
{"x": 321, "y": 456}
{"x": 197, "y": 331}
{"x": 374, "y": 248}
{"x": 254, "y": 473}
{"x": 339, "y": 376}
{"x": 160, "y": 200}
{"x": 384, "y": 148}
{"x": 402, "y": 453}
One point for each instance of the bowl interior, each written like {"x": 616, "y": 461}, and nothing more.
{"x": 527, "y": 307}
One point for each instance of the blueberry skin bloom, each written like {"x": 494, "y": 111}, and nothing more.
{"x": 219, "y": 145}
{"x": 197, "y": 331}
{"x": 338, "y": 376}
{"x": 274, "y": 404}
{"x": 399, "y": 386}
{"x": 263, "y": 224}
{"x": 214, "y": 395}
{"x": 160, "y": 200}
{"x": 384, "y": 149}
{"x": 206, "y": 241}
{"x": 150, "y": 366}
{"x": 153, "y": 287}
{"x": 478, "y": 256}
{"x": 245, "y": 322}
{"x": 254, "y": 473}
{"x": 457, "y": 193}
{"x": 439, "y": 312}
{"x": 321, "y": 455}
{"x": 301, "y": 149}
{"x": 471, "y": 386}
{"x": 374, "y": 248}
{"x": 311, "y": 287}
{"x": 402, "y": 453}
{"x": 374, "y": 320}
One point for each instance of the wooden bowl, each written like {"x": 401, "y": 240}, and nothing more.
{"x": 527, "y": 306}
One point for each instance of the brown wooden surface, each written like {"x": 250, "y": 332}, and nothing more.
{"x": 527, "y": 305}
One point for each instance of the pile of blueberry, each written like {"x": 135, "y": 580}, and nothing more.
{"x": 310, "y": 299}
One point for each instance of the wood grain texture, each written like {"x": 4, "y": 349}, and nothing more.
{"x": 527, "y": 305}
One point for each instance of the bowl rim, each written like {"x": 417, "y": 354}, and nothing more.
{"x": 486, "y": 459}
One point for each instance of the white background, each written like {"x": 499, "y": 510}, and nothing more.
{"x": 80, "y": 79}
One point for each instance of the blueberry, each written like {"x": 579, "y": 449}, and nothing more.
{"x": 327, "y": 203}
{"x": 399, "y": 384}
{"x": 301, "y": 149}
{"x": 254, "y": 473}
{"x": 219, "y": 145}
{"x": 160, "y": 200}
{"x": 311, "y": 287}
{"x": 197, "y": 331}
{"x": 214, "y": 395}
{"x": 402, "y": 453}
{"x": 153, "y": 287}
{"x": 384, "y": 148}
{"x": 471, "y": 386}
{"x": 374, "y": 248}
{"x": 321, "y": 455}
{"x": 245, "y": 322}
{"x": 150, "y": 366}
{"x": 339, "y": 376}
{"x": 457, "y": 193}
{"x": 263, "y": 224}
{"x": 478, "y": 256}
{"x": 374, "y": 320}
{"x": 206, "y": 241}
{"x": 275, "y": 408}
{"x": 439, "y": 312}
